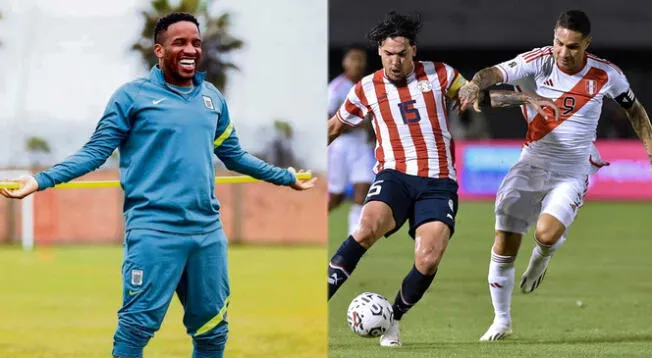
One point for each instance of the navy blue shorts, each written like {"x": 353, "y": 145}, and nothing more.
{"x": 417, "y": 199}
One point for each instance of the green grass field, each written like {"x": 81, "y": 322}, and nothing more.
{"x": 62, "y": 302}
{"x": 605, "y": 264}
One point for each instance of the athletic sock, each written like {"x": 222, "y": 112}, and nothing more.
{"x": 501, "y": 284}
{"x": 343, "y": 263}
{"x": 412, "y": 289}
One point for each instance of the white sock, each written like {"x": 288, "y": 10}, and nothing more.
{"x": 354, "y": 217}
{"x": 501, "y": 284}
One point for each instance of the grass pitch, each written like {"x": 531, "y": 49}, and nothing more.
{"x": 62, "y": 302}
{"x": 605, "y": 265}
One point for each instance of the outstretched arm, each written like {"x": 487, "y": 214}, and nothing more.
{"x": 227, "y": 148}
{"x": 109, "y": 133}
{"x": 482, "y": 80}
{"x": 502, "y": 99}
{"x": 641, "y": 123}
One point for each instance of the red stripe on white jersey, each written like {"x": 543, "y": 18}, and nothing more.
{"x": 593, "y": 57}
{"x": 532, "y": 53}
{"x": 594, "y": 79}
{"x": 393, "y": 141}
{"x": 441, "y": 144}
{"x": 415, "y": 129}
{"x": 547, "y": 52}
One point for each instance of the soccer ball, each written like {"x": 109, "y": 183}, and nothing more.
{"x": 370, "y": 315}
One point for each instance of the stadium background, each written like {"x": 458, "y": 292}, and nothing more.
{"x": 59, "y": 63}
{"x": 604, "y": 243}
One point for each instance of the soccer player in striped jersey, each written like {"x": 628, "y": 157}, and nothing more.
{"x": 547, "y": 185}
{"x": 350, "y": 156}
{"x": 415, "y": 173}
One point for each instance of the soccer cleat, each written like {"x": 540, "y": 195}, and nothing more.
{"x": 534, "y": 274}
{"x": 496, "y": 332}
{"x": 391, "y": 338}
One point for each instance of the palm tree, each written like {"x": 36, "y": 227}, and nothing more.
{"x": 216, "y": 39}
{"x": 37, "y": 148}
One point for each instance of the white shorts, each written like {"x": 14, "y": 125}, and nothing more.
{"x": 350, "y": 160}
{"x": 527, "y": 192}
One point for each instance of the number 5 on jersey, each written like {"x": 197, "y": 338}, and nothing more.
{"x": 375, "y": 188}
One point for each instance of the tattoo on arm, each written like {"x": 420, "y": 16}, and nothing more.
{"x": 487, "y": 77}
{"x": 641, "y": 123}
{"x": 499, "y": 98}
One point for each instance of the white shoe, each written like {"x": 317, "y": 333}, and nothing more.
{"x": 391, "y": 338}
{"x": 534, "y": 274}
{"x": 497, "y": 331}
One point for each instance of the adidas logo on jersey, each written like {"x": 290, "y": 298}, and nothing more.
{"x": 548, "y": 82}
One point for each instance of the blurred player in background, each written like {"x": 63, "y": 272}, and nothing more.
{"x": 350, "y": 156}
{"x": 167, "y": 126}
{"x": 548, "y": 183}
{"x": 415, "y": 174}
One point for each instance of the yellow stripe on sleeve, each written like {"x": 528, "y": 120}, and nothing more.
{"x": 227, "y": 132}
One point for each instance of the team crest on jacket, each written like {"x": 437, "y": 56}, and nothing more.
{"x": 590, "y": 87}
{"x": 424, "y": 86}
{"x": 208, "y": 102}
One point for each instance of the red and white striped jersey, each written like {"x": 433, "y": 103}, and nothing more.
{"x": 410, "y": 120}
{"x": 564, "y": 146}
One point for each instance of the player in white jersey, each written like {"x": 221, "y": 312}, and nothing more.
{"x": 548, "y": 183}
{"x": 350, "y": 156}
{"x": 415, "y": 173}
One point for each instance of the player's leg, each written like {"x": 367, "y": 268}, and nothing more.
{"x": 337, "y": 175}
{"x": 501, "y": 282}
{"x": 360, "y": 166}
{"x": 517, "y": 205}
{"x": 432, "y": 225}
{"x": 385, "y": 210}
{"x": 558, "y": 211}
{"x": 360, "y": 191}
{"x": 152, "y": 266}
{"x": 204, "y": 293}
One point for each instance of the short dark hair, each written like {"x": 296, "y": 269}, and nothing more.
{"x": 575, "y": 20}
{"x": 164, "y": 22}
{"x": 396, "y": 25}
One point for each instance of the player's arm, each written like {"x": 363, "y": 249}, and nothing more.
{"x": 621, "y": 92}
{"x": 351, "y": 113}
{"x": 641, "y": 123}
{"x": 483, "y": 79}
{"x": 525, "y": 64}
{"x": 335, "y": 128}
{"x": 109, "y": 133}
{"x": 502, "y": 99}
{"x": 228, "y": 150}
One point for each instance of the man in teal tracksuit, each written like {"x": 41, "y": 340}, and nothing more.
{"x": 167, "y": 126}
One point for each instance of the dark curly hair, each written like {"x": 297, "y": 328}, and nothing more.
{"x": 396, "y": 25}
{"x": 164, "y": 22}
